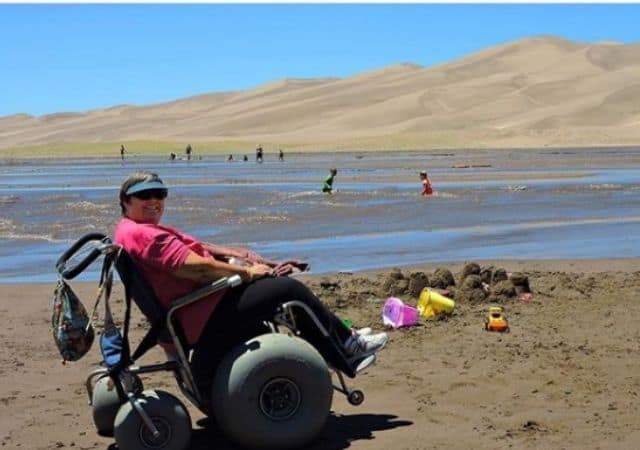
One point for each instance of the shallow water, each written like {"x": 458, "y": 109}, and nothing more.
{"x": 545, "y": 204}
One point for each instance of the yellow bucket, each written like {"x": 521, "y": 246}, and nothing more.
{"x": 431, "y": 303}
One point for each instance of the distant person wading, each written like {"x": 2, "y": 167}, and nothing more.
{"x": 427, "y": 190}
{"x": 327, "y": 186}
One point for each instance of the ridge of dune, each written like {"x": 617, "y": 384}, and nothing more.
{"x": 541, "y": 90}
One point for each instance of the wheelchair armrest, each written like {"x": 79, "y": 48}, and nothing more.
{"x": 186, "y": 300}
{"x": 204, "y": 291}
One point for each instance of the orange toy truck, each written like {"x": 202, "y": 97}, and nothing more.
{"x": 496, "y": 321}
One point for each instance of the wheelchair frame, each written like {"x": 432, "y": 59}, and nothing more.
{"x": 181, "y": 366}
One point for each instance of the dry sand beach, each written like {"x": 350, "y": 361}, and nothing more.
{"x": 564, "y": 377}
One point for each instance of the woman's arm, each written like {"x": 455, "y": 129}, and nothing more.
{"x": 232, "y": 252}
{"x": 205, "y": 270}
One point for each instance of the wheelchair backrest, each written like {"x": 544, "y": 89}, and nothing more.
{"x": 135, "y": 285}
{"x": 137, "y": 288}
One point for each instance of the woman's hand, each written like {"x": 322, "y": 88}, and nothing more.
{"x": 252, "y": 257}
{"x": 288, "y": 267}
{"x": 256, "y": 271}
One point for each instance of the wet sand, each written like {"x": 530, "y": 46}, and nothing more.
{"x": 564, "y": 377}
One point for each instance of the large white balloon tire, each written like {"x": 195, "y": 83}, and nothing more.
{"x": 166, "y": 412}
{"x": 105, "y": 403}
{"x": 274, "y": 391}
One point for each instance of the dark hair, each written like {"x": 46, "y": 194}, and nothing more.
{"x": 135, "y": 178}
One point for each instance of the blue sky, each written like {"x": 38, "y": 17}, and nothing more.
{"x": 75, "y": 57}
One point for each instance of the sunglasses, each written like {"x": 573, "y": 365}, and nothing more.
{"x": 158, "y": 194}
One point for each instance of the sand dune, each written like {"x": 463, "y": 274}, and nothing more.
{"x": 541, "y": 91}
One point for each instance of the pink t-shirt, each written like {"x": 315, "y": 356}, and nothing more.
{"x": 159, "y": 250}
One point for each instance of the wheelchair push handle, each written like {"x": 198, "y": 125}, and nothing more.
{"x": 73, "y": 272}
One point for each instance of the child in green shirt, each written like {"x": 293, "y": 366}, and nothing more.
{"x": 328, "y": 182}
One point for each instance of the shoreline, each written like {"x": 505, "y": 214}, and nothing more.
{"x": 57, "y": 154}
{"x": 514, "y": 265}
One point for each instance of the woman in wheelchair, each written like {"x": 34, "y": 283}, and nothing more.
{"x": 175, "y": 264}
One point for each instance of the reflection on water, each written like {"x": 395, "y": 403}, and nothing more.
{"x": 376, "y": 219}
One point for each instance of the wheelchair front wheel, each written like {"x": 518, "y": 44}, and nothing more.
{"x": 168, "y": 415}
{"x": 105, "y": 402}
{"x": 356, "y": 397}
{"x": 274, "y": 391}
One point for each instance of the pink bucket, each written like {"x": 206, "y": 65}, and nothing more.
{"x": 396, "y": 314}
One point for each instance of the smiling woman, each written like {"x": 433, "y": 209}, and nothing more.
{"x": 176, "y": 264}
{"x": 142, "y": 197}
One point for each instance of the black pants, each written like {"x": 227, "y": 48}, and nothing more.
{"x": 239, "y": 317}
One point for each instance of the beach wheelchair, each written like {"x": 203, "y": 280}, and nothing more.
{"x": 272, "y": 390}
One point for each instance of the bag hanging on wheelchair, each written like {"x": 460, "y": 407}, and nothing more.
{"x": 111, "y": 345}
{"x": 72, "y": 329}
{"x": 111, "y": 340}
